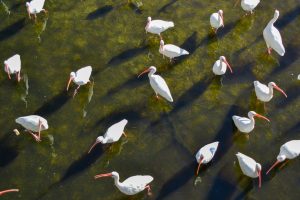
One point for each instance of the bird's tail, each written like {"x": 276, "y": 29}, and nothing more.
{"x": 184, "y": 52}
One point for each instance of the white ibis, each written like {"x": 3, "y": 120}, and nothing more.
{"x": 80, "y": 77}
{"x": 171, "y": 51}
{"x": 33, "y": 123}
{"x": 158, "y": 84}
{"x": 265, "y": 93}
{"x": 34, "y": 7}
{"x": 220, "y": 66}
{"x": 206, "y": 154}
{"x": 248, "y": 5}
{"x": 217, "y": 20}
{"x": 249, "y": 167}
{"x": 289, "y": 150}
{"x": 244, "y": 124}
{"x": 272, "y": 36}
{"x": 113, "y": 134}
{"x": 131, "y": 185}
{"x": 8, "y": 191}
{"x": 158, "y": 26}
{"x": 13, "y": 66}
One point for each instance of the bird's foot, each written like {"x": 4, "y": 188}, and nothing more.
{"x": 124, "y": 134}
{"x": 269, "y": 51}
{"x": 148, "y": 190}
{"x": 157, "y": 97}
{"x": 37, "y": 138}
{"x": 75, "y": 92}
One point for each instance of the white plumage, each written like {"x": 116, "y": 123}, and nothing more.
{"x": 158, "y": 26}
{"x": 171, "y": 51}
{"x": 33, "y": 123}
{"x": 206, "y": 154}
{"x": 34, "y": 7}
{"x": 246, "y": 125}
{"x": 249, "y": 5}
{"x": 131, "y": 185}
{"x": 158, "y": 84}
{"x": 81, "y": 77}
{"x": 220, "y": 66}
{"x": 217, "y": 20}
{"x": 272, "y": 36}
{"x": 113, "y": 134}
{"x": 13, "y": 66}
{"x": 249, "y": 166}
{"x": 265, "y": 93}
{"x": 289, "y": 150}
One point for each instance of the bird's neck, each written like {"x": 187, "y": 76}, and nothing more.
{"x": 272, "y": 21}
{"x": 117, "y": 182}
{"x": 270, "y": 90}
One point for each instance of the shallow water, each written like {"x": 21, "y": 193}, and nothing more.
{"x": 162, "y": 137}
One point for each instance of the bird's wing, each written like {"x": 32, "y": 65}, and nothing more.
{"x": 243, "y": 120}
{"x": 160, "y": 84}
{"x": 84, "y": 73}
{"x": 175, "y": 49}
{"x": 262, "y": 87}
{"x": 138, "y": 180}
{"x": 37, "y": 4}
{"x": 115, "y": 131}
{"x": 14, "y": 62}
{"x": 247, "y": 164}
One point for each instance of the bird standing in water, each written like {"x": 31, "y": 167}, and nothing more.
{"x": 13, "y": 66}
{"x": 34, "y": 7}
{"x": 206, "y": 154}
{"x": 217, "y": 20}
{"x": 158, "y": 26}
{"x": 80, "y": 77}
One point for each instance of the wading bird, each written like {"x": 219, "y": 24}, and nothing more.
{"x": 34, "y": 7}
{"x": 8, "y": 191}
{"x": 248, "y": 5}
{"x": 33, "y": 123}
{"x": 13, "y": 66}
{"x": 272, "y": 36}
{"x": 158, "y": 26}
{"x": 265, "y": 93}
{"x": 80, "y": 77}
{"x": 249, "y": 167}
{"x": 289, "y": 150}
{"x": 217, "y": 20}
{"x": 244, "y": 124}
{"x": 171, "y": 51}
{"x": 220, "y": 66}
{"x": 158, "y": 84}
{"x": 113, "y": 134}
{"x": 131, "y": 185}
{"x": 206, "y": 154}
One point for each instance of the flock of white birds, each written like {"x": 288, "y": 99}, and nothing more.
{"x": 34, "y": 124}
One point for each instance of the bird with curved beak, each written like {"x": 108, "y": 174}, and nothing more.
{"x": 265, "y": 93}
{"x": 8, "y": 191}
{"x": 131, "y": 185}
{"x": 220, "y": 66}
{"x": 34, "y": 7}
{"x": 113, "y": 134}
{"x": 217, "y": 20}
{"x": 246, "y": 125}
{"x": 289, "y": 150}
{"x": 158, "y": 84}
{"x": 80, "y": 77}
{"x": 206, "y": 154}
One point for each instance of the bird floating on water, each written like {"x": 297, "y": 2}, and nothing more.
{"x": 244, "y": 124}
{"x": 248, "y": 5}
{"x": 171, "y": 51}
{"x": 13, "y": 66}
{"x": 34, "y": 7}
{"x": 206, "y": 154}
{"x": 158, "y": 26}
{"x": 33, "y": 123}
{"x": 131, "y": 185}
{"x": 289, "y": 150}
{"x": 113, "y": 134}
{"x": 217, "y": 20}
{"x": 158, "y": 84}
{"x": 272, "y": 36}
{"x": 220, "y": 66}
{"x": 265, "y": 93}
{"x": 80, "y": 77}
{"x": 249, "y": 167}
{"x": 8, "y": 191}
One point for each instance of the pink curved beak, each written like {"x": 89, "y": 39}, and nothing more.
{"x": 200, "y": 162}
{"x": 146, "y": 71}
{"x": 263, "y": 117}
{"x": 69, "y": 82}
{"x": 228, "y": 65}
{"x": 93, "y": 146}
{"x": 221, "y": 15}
{"x": 280, "y": 90}
{"x": 274, "y": 165}
{"x": 9, "y": 190}
{"x": 259, "y": 179}
{"x": 103, "y": 175}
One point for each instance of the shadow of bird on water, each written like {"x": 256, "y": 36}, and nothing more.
{"x": 100, "y": 12}
{"x": 12, "y": 30}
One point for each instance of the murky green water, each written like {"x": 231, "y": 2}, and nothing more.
{"x": 162, "y": 137}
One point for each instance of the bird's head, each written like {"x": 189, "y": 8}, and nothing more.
{"x": 27, "y": 4}
{"x": 151, "y": 69}
{"x": 72, "y": 76}
{"x": 149, "y": 19}
{"x": 252, "y": 114}
{"x": 273, "y": 85}
{"x": 112, "y": 174}
{"x": 276, "y": 14}
{"x": 100, "y": 139}
{"x": 223, "y": 59}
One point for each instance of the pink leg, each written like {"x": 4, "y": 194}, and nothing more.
{"x": 18, "y": 76}
{"x": 40, "y": 127}
{"x": 76, "y": 90}
{"x": 148, "y": 190}
{"x": 34, "y": 136}
{"x": 124, "y": 134}
{"x": 269, "y": 51}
